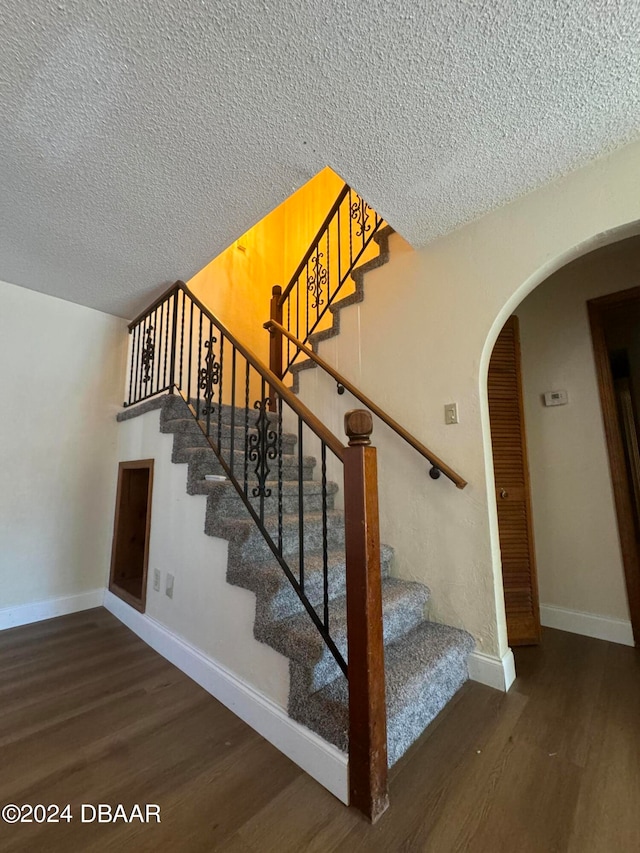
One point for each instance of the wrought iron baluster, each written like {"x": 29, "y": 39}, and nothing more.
{"x": 181, "y": 381}
{"x": 131, "y": 359}
{"x": 288, "y": 329}
{"x": 199, "y": 363}
{"x": 189, "y": 361}
{"x": 328, "y": 270}
{"x": 155, "y": 385}
{"x": 160, "y": 384}
{"x": 360, "y": 214}
{"x": 263, "y": 448}
{"x": 174, "y": 334}
{"x": 148, "y": 349}
{"x": 307, "y": 296}
{"x": 339, "y": 248}
{"x": 220, "y": 392}
{"x": 233, "y": 406}
{"x": 297, "y": 312}
{"x": 350, "y": 234}
{"x": 325, "y": 538}
{"x": 300, "y": 507}
{"x": 316, "y": 282}
{"x": 246, "y": 428}
{"x": 280, "y": 483}
{"x": 139, "y": 360}
{"x": 207, "y": 375}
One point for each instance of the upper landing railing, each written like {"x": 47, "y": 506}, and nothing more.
{"x": 331, "y": 258}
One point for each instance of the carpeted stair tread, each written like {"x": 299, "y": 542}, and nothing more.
{"x": 297, "y": 638}
{"x": 424, "y": 669}
{"x": 289, "y": 460}
{"x": 246, "y": 534}
{"x": 227, "y": 490}
{"x": 277, "y": 596}
{"x": 176, "y": 408}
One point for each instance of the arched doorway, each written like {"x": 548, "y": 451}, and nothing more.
{"x": 586, "y": 538}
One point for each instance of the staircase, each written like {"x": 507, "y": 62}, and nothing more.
{"x": 368, "y": 673}
{"x": 425, "y": 662}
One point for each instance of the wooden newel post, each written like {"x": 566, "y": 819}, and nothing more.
{"x": 275, "y": 343}
{"x": 367, "y": 705}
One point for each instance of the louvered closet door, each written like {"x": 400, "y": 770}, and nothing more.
{"x": 512, "y": 489}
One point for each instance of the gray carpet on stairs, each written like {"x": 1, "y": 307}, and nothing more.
{"x": 425, "y": 662}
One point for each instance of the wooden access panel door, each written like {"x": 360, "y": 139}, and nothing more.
{"x": 512, "y": 488}
{"x": 131, "y": 531}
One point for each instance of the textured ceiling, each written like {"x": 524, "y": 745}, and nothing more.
{"x": 138, "y": 139}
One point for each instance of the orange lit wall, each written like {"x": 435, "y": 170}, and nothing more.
{"x": 237, "y": 284}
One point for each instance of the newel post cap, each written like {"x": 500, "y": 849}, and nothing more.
{"x": 358, "y": 425}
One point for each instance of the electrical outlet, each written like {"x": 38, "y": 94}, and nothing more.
{"x": 156, "y": 580}
{"x": 451, "y": 413}
{"x": 169, "y": 587}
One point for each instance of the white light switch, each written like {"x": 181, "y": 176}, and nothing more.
{"x": 556, "y": 398}
{"x": 451, "y": 413}
{"x": 169, "y": 587}
{"x": 156, "y": 580}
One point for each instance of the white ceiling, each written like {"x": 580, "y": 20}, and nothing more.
{"x": 138, "y": 139}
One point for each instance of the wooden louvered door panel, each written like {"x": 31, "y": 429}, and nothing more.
{"x": 512, "y": 489}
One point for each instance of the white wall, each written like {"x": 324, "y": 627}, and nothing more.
{"x": 423, "y": 337}
{"x": 208, "y": 613}
{"x": 62, "y": 385}
{"x": 575, "y": 528}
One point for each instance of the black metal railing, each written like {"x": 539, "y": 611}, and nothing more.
{"x": 258, "y": 430}
{"x": 331, "y": 258}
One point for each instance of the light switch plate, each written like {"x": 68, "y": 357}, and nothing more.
{"x": 169, "y": 587}
{"x": 451, "y": 413}
{"x": 156, "y": 580}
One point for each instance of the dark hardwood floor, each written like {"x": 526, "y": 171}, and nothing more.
{"x": 89, "y": 714}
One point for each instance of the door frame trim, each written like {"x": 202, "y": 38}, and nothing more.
{"x": 113, "y": 587}
{"x": 597, "y": 309}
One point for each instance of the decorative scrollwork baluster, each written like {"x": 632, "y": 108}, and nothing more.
{"x": 317, "y": 280}
{"x": 209, "y": 375}
{"x": 360, "y": 214}
{"x": 148, "y": 354}
{"x": 263, "y": 447}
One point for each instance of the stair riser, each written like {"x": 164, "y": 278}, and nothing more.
{"x": 175, "y": 408}
{"x": 234, "y": 507}
{"x": 200, "y": 466}
{"x": 195, "y": 438}
{"x": 254, "y": 547}
{"x": 399, "y": 619}
{"x": 286, "y": 602}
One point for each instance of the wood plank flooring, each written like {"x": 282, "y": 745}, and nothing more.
{"x": 89, "y": 714}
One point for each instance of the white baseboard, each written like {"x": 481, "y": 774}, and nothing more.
{"x": 587, "y": 624}
{"x": 496, "y": 672}
{"x": 36, "y": 611}
{"x": 326, "y": 764}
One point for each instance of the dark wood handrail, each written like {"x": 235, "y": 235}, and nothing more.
{"x": 314, "y": 423}
{"x": 312, "y": 246}
{"x": 275, "y": 328}
{"x": 155, "y": 304}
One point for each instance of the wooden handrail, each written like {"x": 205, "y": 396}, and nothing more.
{"x": 155, "y": 304}
{"x": 312, "y": 246}
{"x": 276, "y": 328}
